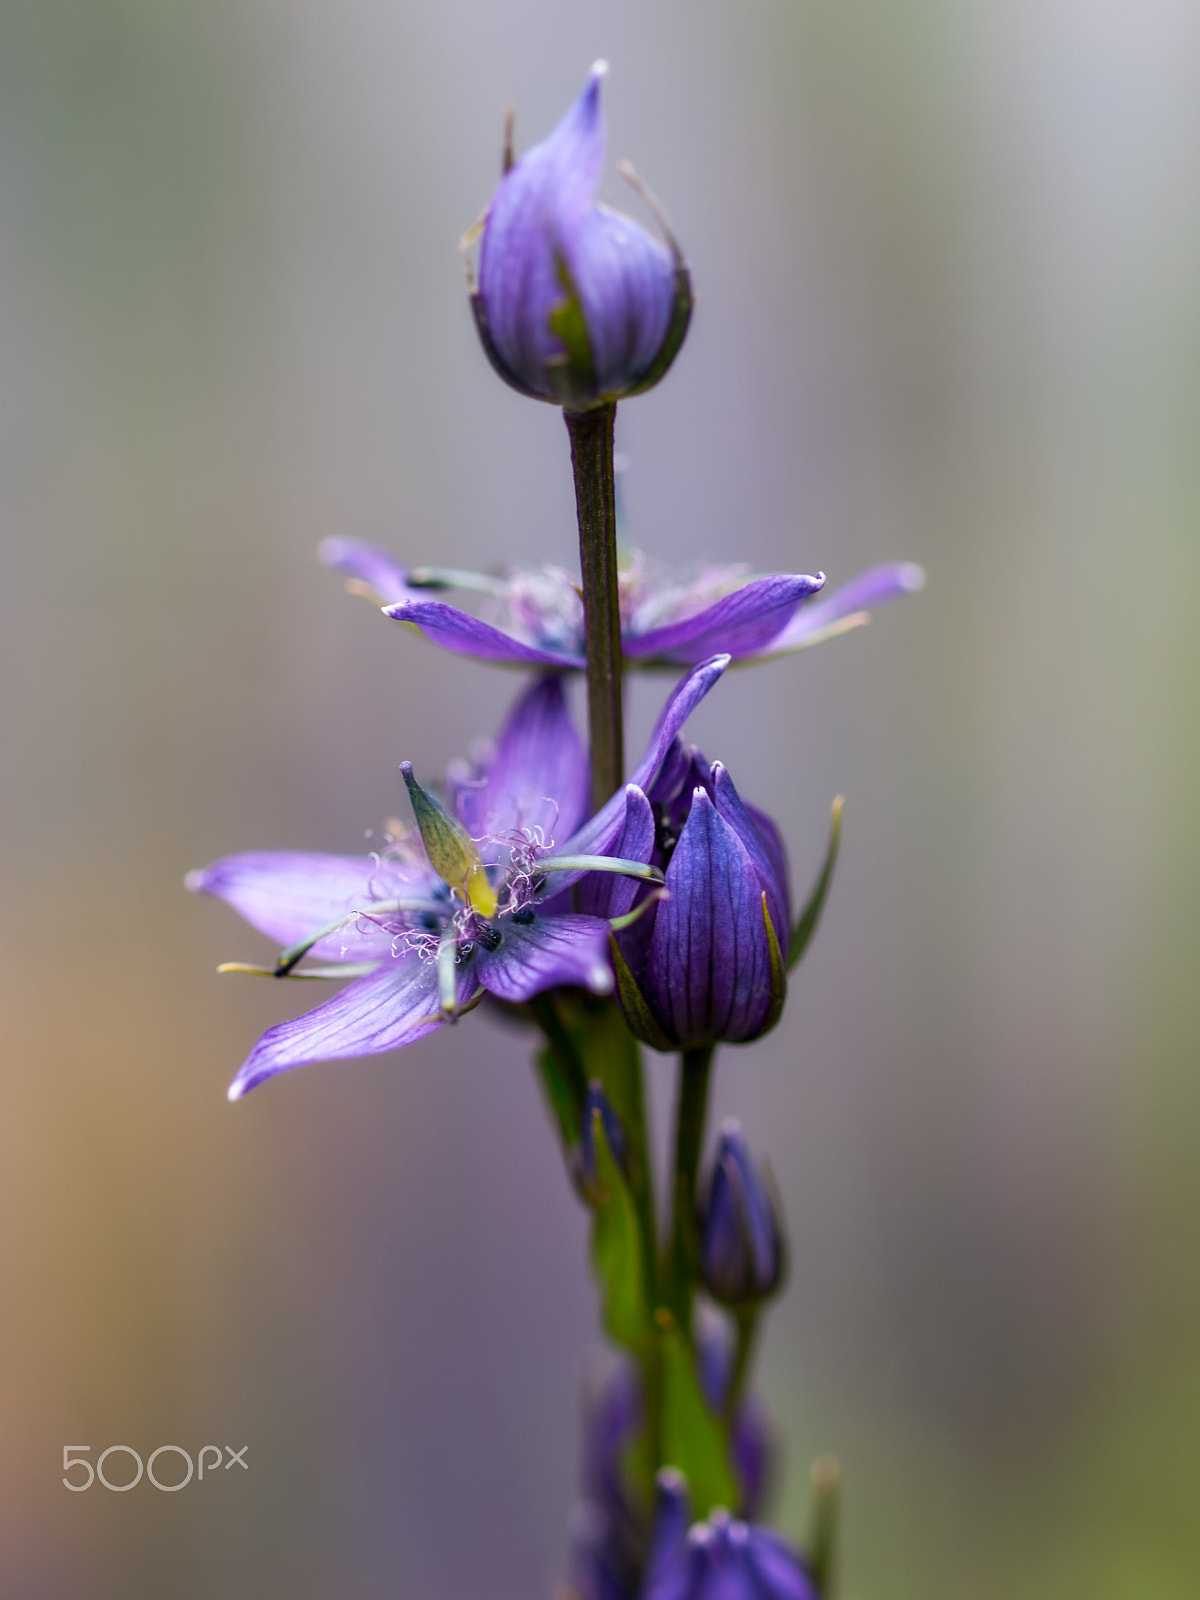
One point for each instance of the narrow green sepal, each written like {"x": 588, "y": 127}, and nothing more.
{"x": 377, "y": 908}
{"x": 778, "y": 972}
{"x": 452, "y": 853}
{"x": 615, "y": 864}
{"x": 640, "y": 1019}
{"x": 693, "y": 1439}
{"x": 807, "y": 925}
{"x": 821, "y": 1547}
{"x": 357, "y": 969}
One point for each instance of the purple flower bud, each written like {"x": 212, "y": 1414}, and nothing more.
{"x": 710, "y": 958}
{"x": 597, "y": 1107}
{"x": 576, "y": 303}
{"x": 741, "y": 1249}
{"x": 721, "y": 1559}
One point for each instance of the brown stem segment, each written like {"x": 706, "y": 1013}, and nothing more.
{"x": 595, "y": 505}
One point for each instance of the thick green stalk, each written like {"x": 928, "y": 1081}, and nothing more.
{"x": 695, "y": 1068}
{"x": 595, "y": 507}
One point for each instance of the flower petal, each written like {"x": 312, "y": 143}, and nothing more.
{"x": 608, "y": 894}
{"x": 370, "y": 566}
{"x": 538, "y": 777}
{"x": 458, "y": 630}
{"x": 869, "y": 589}
{"x": 598, "y": 836}
{"x": 538, "y": 955}
{"x": 765, "y": 853}
{"x": 708, "y": 975}
{"x": 626, "y": 282}
{"x": 393, "y": 1006}
{"x": 740, "y": 623}
{"x": 288, "y": 894}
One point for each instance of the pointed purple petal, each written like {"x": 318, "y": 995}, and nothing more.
{"x": 538, "y": 777}
{"x": 390, "y": 1007}
{"x": 287, "y": 894}
{"x": 597, "y": 836}
{"x": 869, "y": 589}
{"x": 369, "y": 565}
{"x": 537, "y": 208}
{"x": 538, "y": 955}
{"x": 459, "y": 631}
{"x": 608, "y": 894}
{"x": 626, "y": 284}
{"x": 708, "y": 975}
{"x": 763, "y": 852}
{"x": 740, "y": 623}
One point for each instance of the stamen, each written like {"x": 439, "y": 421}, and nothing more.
{"x": 377, "y": 908}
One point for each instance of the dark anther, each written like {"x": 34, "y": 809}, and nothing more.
{"x": 523, "y": 915}
{"x": 488, "y": 934}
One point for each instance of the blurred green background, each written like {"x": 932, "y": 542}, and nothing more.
{"x": 948, "y": 260}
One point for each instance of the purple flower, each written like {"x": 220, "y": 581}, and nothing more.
{"x": 708, "y": 961}
{"x": 576, "y": 303}
{"x": 470, "y": 905}
{"x": 611, "y": 1529}
{"x": 741, "y": 1245}
{"x": 533, "y": 616}
{"x": 721, "y": 1559}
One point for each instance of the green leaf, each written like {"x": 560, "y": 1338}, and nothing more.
{"x": 807, "y": 925}
{"x": 693, "y": 1439}
{"x": 617, "y": 1249}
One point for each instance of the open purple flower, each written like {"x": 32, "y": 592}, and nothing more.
{"x": 467, "y": 906}
{"x": 533, "y": 616}
{"x": 722, "y": 1558}
{"x": 576, "y": 303}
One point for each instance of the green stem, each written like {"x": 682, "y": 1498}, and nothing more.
{"x": 568, "y": 1089}
{"x": 747, "y": 1327}
{"x": 694, "y": 1073}
{"x": 595, "y": 506}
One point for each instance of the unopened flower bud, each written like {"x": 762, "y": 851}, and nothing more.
{"x": 722, "y": 1558}
{"x": 599, "y": 1120}
{"x": 710, "y": 959}
{"x": 741, "y": 1249}
{"x": 576, "y": 303}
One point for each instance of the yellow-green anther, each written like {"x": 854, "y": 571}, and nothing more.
{"x": 451, "y": 850}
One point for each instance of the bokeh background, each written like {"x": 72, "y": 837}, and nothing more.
{"x": 948, "y": 259}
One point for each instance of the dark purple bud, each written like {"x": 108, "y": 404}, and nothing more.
{"x": 713, "y": 966}
{"x": 597, "y": 1109}
{"x": 721, "y": 1559}
{"x": 576, "y": 303}
{"x": 741, "y": 1249}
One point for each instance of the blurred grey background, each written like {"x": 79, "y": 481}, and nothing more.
{"x": 948, "y": 260}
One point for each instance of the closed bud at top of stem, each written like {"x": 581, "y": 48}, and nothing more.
{"x": 576, "y": 303}
{"x": 741, "y": 1245}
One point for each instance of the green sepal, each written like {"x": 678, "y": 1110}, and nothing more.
{"x": 617, "y": 1248}
{"x": 574, "y": 372}
{"x": 778, "y": 972}
{"x": 693, "y": 1439}
{"x": 640, "y": 1019}
{"x": 821, "y": 1546}
{"x": 807, "y": 925}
